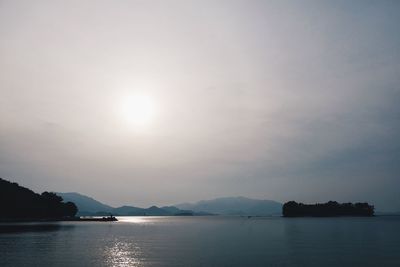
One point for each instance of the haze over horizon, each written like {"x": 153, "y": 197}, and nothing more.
{"x": 163, "y": 102}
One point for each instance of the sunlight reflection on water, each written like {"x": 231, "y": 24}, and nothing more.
{"x": 123, "y": 254}
{"x": 134, "y": 219}
{"x": 142, "y": 219}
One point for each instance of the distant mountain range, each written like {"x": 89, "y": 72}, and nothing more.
{"x": 235, "y": 206}
{"x": 220, "y": 206}
{"x": 88, "y": 206}
{"x": 19, "y": 203}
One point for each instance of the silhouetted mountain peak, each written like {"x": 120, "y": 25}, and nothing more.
{"x": 85, "y": 204}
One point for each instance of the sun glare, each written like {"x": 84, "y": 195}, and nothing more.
{"x": 137, "y": 110}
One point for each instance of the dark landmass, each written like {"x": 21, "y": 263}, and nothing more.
{"x": 329, "y": 209}
{"x": 235, "y": 206}
{"x": 63, "y": 219}
{"x": 18, "y": 203}
{"x": 93, "y": 219}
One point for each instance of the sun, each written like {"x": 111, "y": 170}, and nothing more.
{"x": 137, "y": 110}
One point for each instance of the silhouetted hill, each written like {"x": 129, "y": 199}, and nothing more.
{"x": 235, "y": 206}
{"x": 331, "y": 208}
{"x": 20, "y": 203}
{"x": 89, "y": 206}
{"x": 86, "y": 205}
{"x": 129, "y": 211}
{"x": 171, "y": 209}
{"x": 156, "y": 211}
{"x": 151, "y": 211}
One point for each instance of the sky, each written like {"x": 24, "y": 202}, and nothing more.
{"x": 163, "y": 102}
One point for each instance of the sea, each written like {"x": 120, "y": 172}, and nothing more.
{"x": 204, "y": 241}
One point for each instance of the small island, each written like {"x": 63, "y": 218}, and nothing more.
{"x": 329, "y": 209}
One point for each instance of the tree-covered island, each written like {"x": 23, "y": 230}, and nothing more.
{"x": 329, "y": 209}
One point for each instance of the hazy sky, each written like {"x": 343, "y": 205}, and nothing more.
{"x": 267, "y": 99}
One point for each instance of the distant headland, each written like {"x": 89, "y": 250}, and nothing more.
{"x": 329, "y": 209}
{"x": 18, "y": 203}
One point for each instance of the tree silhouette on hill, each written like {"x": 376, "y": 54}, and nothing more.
{"x": 17, "y": 202}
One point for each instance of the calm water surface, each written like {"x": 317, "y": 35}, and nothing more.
{"x": 204, "y": 241}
